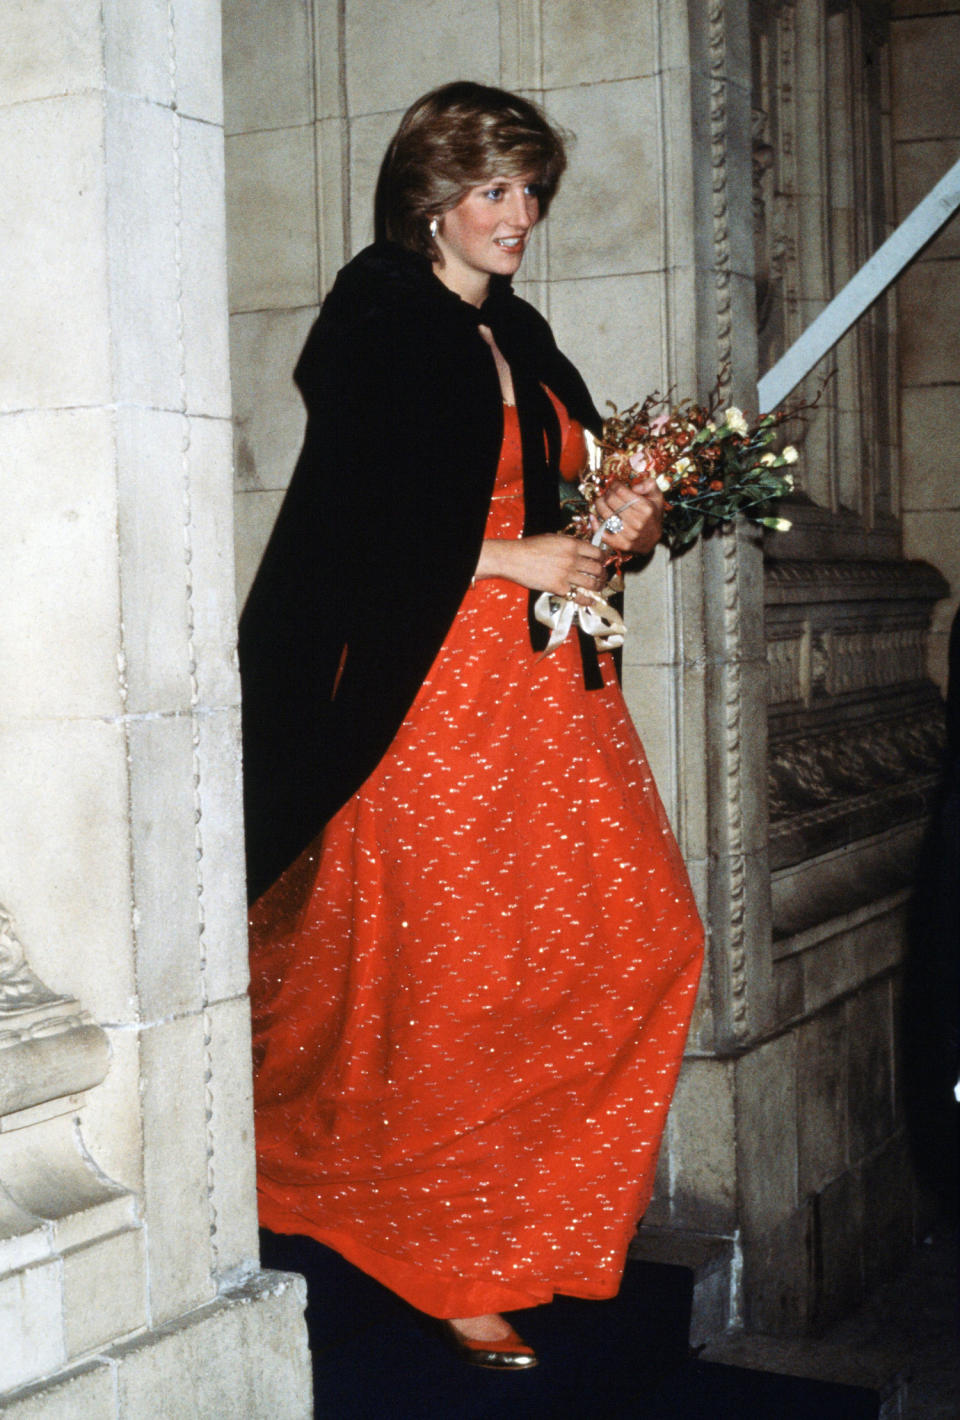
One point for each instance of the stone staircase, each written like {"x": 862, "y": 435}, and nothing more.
{"x": 845, "y": 1356}
{"x": 375, "y": 1359}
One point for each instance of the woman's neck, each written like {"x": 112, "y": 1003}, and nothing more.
{"x": 471, "y": 286}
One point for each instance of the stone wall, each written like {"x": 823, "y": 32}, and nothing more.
{"x": 810, "y": 1176}
{"x": 662, "y": 264}
{"x": 127, "y": 1217}
{"x": 926, "y": 132}
{"x": 128, "y": 1248}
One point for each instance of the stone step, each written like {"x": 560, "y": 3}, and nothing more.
{"x": 706, "y": 1390}
{"x": 880, "y": 1371}
{"x": 625, "y": 1357}
{"x": 711, "y": 1261}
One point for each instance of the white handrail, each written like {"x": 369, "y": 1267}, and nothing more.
{"x": 861, "y": 290}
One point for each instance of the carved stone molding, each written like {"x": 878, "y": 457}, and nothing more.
{"x": 855, "y": 728}
{"x": 778, "y": 93}
{"x": 50, "y": 1048}
{"x": 800, "y": 583}
{"x": 718, "y": 165}
{"x": 734, "y": 990}
{"x": 807, "y": 665}
{"x": 20, "y": 988}
{"x": 737, "y": 901}
{"x": 849, "y": 781}
{"x": 62, "y": 1220}
{"x": 841, "y": 630}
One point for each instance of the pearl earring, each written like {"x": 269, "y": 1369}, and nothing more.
{"x": 434, "y": 228}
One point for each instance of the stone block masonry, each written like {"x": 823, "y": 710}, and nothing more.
{"x": 129, "y": 1283}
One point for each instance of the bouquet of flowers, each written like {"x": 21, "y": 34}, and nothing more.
{"x": 711, "y": 467}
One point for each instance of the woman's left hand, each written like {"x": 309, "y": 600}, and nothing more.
{"x": 641, "y": 510}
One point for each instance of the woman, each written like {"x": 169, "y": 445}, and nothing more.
{"x": 475, "y": 949}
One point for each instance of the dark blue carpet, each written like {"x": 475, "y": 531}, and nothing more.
{"x": 375, "y": 1358}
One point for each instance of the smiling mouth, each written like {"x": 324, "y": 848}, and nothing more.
{"x": 509, "y": 243}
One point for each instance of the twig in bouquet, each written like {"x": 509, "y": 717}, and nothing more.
{"x": 711, "y": 466}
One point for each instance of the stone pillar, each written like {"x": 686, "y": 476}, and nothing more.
{"x": 718, "y": 728}
{"x": 128, "y": 1253}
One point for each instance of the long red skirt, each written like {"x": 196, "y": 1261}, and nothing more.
{"x": 471, "y": 994}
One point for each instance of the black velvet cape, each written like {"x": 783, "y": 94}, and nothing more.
{"x": 379, "y": 534}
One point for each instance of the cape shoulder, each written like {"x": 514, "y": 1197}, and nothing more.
{"x": 387, "y": 319}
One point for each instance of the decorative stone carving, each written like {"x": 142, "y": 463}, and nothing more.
{"x": 738, "y": 880}
{"x": 718, "y": 162}
{"x": 789, "y": 660}
{"x": 730, "y": 945}
{"x": 855, "y": 730}
{"x": 805, "y": 667}
{"x": 20, "y": 988}
{"x": 60, "y": 1215}
{"x": 50, "y": 1049}
{"x": 811, "y": 774}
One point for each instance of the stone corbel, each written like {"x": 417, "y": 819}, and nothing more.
{"x": 50, "y": 1049}
{"x": 62, "y": 1221}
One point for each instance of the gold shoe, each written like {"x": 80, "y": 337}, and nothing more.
{"x": 510, "y": 1353}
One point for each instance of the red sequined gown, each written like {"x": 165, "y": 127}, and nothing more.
{"x": 471, "y": 994}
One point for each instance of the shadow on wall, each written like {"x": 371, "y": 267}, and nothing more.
{"x": 931, "y": 999}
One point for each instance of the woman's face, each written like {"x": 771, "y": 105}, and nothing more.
{"x": 486, "y": 233}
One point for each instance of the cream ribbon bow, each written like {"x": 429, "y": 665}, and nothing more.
{"x": 600, "y": 619}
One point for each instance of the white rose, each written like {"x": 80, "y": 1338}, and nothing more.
{"x": 733, "y": 418}
{"x": 768, "y": 459}
{"x": 789, "y": 454}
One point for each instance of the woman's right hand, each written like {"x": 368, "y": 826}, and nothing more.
{"x": 547, "y": 562}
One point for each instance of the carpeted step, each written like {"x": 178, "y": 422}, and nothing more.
{"x": 706, "y": 1390}
{"x": 375, "y": 1358}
